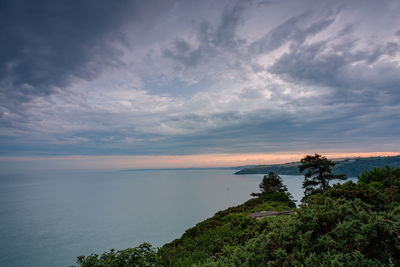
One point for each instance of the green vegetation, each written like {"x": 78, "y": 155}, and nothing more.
{"x": 143, "y": 255}
{"x": 327, "y": 232}
{"x": 378, "y": 175}
{"x": 349, "y": 167}
{"x": 353, "y": 224}
{"x": 231, "y": 227}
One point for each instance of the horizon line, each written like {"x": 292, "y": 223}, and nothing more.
{"x": 154, "y": 162}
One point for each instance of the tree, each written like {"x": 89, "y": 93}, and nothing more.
{"x": 270, "y": 184}
{"x": 318, "y": 175}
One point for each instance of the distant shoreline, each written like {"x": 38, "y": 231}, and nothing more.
{"x": 351, "y": 167}
{"x": 248, "y": 169}
{"x": 182, "y": 169}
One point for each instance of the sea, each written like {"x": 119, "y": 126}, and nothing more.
{"x": 48, "y": 218}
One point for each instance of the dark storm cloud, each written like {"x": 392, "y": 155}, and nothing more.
{"x": 46, "y": 44}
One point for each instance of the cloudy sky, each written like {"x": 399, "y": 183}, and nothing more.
{"x": 154, "y": 79}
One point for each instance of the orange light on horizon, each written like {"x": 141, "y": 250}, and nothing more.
{"x": 182, "y": 161}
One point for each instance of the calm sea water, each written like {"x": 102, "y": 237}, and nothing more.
{"x": 47, "y": 219}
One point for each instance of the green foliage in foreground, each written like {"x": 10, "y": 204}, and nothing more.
{"x": 229, "y": 227}
{"x": 143, "y": 255}
{"x": 348, "y": 225}
{"x": 379, "y": 175}
{"x": 327, "y": 232}
{"x": 354, "y": 224}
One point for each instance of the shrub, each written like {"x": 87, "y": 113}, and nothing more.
{"x": 378, "y": 175}
{"x": 143, "y": 255}
{"x": 332, "y": 232}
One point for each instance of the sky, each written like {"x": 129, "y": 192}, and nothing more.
{"x": 197, "y": 83}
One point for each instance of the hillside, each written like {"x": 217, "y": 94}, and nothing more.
{"x": 351, "y": 224}
{"x": 351, "y": 167}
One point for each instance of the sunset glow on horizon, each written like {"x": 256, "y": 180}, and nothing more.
{"x": 174, "y": 161}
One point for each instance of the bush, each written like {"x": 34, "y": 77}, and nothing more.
{"x": 332, "y": 232}
{"x": 350, "y": 191}
{"x": 143, "y": 255}
{"x": 379, "y": 175}
{"x": 280, "y": 197}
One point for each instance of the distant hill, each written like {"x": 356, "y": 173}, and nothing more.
{"x": 351, "y": 167}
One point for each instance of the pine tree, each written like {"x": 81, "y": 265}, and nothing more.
{"x": 270, "y": 184}
{"x": 318, "y": 175}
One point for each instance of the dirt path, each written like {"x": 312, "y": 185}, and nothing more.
{"x": 263, "y": 214}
